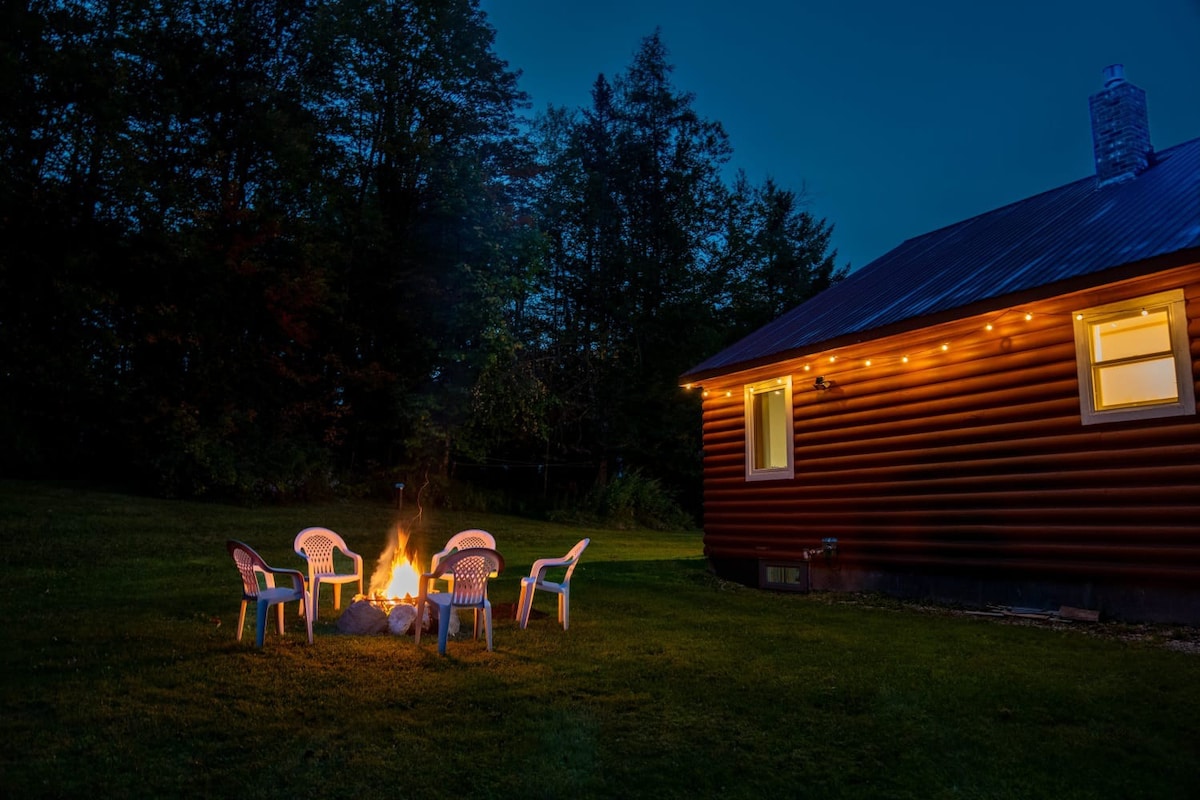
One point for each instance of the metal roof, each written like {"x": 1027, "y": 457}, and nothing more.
{"x": 1069, "y": 232}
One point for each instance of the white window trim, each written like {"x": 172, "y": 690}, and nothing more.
{"x": 1174, "y": 303}
{"x": 770, "y": 473}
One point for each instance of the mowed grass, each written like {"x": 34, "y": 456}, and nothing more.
{"x": 122, "y": 677}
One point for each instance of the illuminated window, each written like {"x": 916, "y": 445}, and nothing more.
{"x": 784, "y": 576}
{"x": 769, "y": 444}
{"x": 1133, "y": 360}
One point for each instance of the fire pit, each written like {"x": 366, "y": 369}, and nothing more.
{"x": 391, "y": 598}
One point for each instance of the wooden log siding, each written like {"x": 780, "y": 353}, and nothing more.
{"x": 969, "y": 460}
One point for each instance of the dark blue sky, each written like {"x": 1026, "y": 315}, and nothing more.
{"x": 900, "y": 118}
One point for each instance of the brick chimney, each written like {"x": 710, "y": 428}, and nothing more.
{"x": 1120, "y": 129}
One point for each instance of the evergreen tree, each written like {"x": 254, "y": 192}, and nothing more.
{"x": 630, "y": 222}
{"x": 775, "y": 256}
{"x": 252, "y": 244}
{"x": 654, "y": 263}
{"x": 245, "y": 239}
{"x": 426, "y": 119}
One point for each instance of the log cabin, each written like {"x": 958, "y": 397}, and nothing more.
{"x": 1002, "y": 411}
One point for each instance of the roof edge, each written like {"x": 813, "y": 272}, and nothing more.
{"x": 1161, "y": 263}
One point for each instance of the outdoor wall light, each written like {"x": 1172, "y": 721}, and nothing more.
{"x": 820, "y": 383}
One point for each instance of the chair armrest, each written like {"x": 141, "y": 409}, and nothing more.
{"x": 434, "y": 573}
{"x": 423, "y": 584}
{"x": 296, "y": 575}
{"x": 543, "y": 564}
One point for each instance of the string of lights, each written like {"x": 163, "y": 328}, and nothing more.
{"x": 822, "y": 362}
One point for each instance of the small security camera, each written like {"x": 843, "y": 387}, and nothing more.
{"x": 820, "y": 383}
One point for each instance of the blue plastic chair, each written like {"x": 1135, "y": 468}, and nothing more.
{"x": 470, "y": 567}
{"x": 265, "y": 593}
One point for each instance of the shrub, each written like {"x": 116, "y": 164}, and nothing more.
{"x": 630, "y": 500}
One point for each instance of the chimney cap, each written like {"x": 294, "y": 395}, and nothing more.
{"x": 1114, "y": 74}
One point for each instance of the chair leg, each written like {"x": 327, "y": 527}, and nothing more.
{"x": 337, "y": 596}
{"x": 564, "y": 608}
{"x": 261, "y": 632}
{"x": 279, "y": 616}
{"x": 487, "y": 620}
{"x": 524, "y": 604}
{"x": 418, "y": 622}
{"x": 308, "y": 617}
{"x": 444, "y": 613}
{"x": 241, "y": 621}
{"x": 315, "y": 598}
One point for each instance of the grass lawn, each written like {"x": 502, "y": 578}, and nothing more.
{"x": 122, "y": 677}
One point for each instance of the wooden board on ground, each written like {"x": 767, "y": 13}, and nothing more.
{"x": 1080, "y": 614}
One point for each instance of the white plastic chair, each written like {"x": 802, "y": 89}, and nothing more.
{"x": 537, "y": 580}
{"x": 474, "y": 537}
{"x": 251, "y": 566}
{"x": 317, "y": 547}
{"x": 471, "y": 569}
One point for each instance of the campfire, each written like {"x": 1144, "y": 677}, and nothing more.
{"x": 397, "y": 577}
{"x": 390, "y": 604}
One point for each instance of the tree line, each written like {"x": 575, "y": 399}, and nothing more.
{"x": 275, "y": 248}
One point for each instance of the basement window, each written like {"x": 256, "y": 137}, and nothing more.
{"x": 769, "y": 444}
{"x": 1133, "y": 360}
{"x": 783, "y": 576}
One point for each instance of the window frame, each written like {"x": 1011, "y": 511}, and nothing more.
{"x": 1174, "y": 303}
{"x": 750, "y": 391}
{"x": 801, "y": 570}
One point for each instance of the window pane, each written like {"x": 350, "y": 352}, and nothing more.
{"x": 782, "y": 574}
{"x": 770, "y": 430}
{"x": 1131, "y": 336}
{"x": 1133, "y": 359}
{"x": 1136, "y": 383}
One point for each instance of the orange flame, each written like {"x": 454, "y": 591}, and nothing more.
{"x": 396, "y": 575}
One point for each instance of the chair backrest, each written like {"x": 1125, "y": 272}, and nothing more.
{"x": 317, "y": 545}
{"x": 574, "y": 554}
{"x": 473, "y": 537}
{"x": 248, "y": 563}
{"x": 471, "y": 568}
